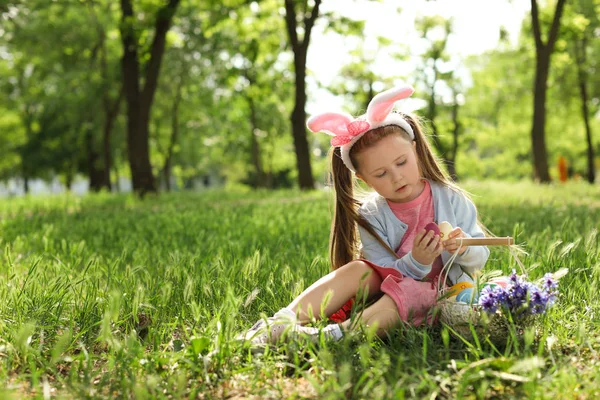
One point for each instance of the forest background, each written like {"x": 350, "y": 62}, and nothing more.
{"x": 113, "y": 295}
{"x": 189, "y": 94}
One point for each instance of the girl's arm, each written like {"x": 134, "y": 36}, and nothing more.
{"x": 373, "y": 251}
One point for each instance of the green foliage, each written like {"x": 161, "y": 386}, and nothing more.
{"x": 250, "y": 104}
{"x": 110, "y": 296}
{"x": 499, "y": 108}
{"x": 13, "y": 139}
{"x": 344, "y": 25}
{"x": 495, "y": 116}
{"x": 51, "y": 88}
{"x": 229, "y": 64}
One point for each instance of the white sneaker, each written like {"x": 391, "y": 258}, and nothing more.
{"x": 283, "y": 325}
{"x": 269, "y": 331}
{"x": 331, "y": 332}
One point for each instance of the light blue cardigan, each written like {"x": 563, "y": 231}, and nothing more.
{"x": 448, "y": 205}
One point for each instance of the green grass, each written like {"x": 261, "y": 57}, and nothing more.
{"x": 112, "y": 296}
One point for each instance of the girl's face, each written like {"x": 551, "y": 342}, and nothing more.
{"x": 390, "y": 168}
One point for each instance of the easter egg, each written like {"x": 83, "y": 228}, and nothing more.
{"x": 491, "y": 285}
{"x": 445, "y": 229}
{"x": 459, "y": 287}
{"x": 501, "y": 281}
{"x": 432, "y": 226}
{"x": 465, "y": 296}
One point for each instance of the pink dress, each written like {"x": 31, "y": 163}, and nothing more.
{"x": 413, "y": 298}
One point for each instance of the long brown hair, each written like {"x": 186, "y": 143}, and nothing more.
{"x": 343, "y": 241}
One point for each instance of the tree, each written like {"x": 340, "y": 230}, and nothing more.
{"x": 457, "y": 126}
{"x": 495, "y": 143}
{"x": 100, "y": 162}
{"x": 50, "y": 88}
{"x": 139, "y": 99}
{"x": 542, "y": 68}
{"x": 434, "y": 75}
{"x": 258, "y": 79}
{"x": 300, "y": 49}
{"x": 580, "y": 45}
{"x": 222, "y": 104}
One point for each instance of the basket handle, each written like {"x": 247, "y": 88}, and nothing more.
{"x": 488, "y": 241}
{"x": 492, "y": 241}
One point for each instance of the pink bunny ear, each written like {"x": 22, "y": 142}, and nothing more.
{"x": 382, "y": 104}
{"x": 333, "y": 124}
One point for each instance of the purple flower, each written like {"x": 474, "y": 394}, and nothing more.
{"x": 501, "y": 296}
{"x": 550, "y": 299}
{"x": 538, "y": 300}
{"x": 549, "y": 283}
{"x": 517, "y": 294}
{"x": 488, "y": 299}
{"x": 514, "y": 278}
{"x": 488, "y": 303}
{"x": 492, "y": 298}
{"x": 520, "y": 297}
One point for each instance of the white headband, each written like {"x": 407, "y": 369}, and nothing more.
{"x": 347, "y": 130}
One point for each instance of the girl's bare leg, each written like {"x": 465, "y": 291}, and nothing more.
{"x": 343, "y": 283}
{"x": 383, "y": 313}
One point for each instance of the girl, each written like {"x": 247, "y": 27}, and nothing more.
{"x": 400, "y": 261}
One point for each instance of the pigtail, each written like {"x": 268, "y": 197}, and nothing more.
{"x": 343, "y": 240}
{"x": 343, "y": 246}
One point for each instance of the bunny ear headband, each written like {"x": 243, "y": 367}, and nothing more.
{"x": 347, "y": 130}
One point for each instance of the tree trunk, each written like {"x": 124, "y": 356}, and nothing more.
{"x": 298, "y": 117}
{"x": 117, "y": 180}
{"x": 108, "y": 124}
{"x": 95, "y": 174}
{"x": 455, "y": 133}
{"x": 28, "y": 122}
{"x": 111, "y": 110}
{"x": 139, "y": 101}
{"x": 432, "y": 114}
{"x": 542, "y": 68}
{"x": 591, "y": 172}
{"x": 174, "y": 136}
{"x": 538, "y": 137}
{"x": 137, "y": 127}
{"x": 580, "y": 52}
{"x": 69, "y": 179}
{"x": 167, "y": 174}
{"x": 255, "y": 146}
{"x": 437, "y": 143}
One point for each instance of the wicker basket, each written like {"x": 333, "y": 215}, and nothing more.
{"x": 465, "y": 318}
{"x": 460, "y": 317}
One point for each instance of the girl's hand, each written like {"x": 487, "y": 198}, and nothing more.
{"x": 452, "y": 244}
{"x": 423, "y": 251}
